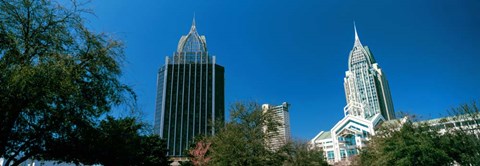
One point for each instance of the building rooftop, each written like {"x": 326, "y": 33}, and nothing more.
{"x": 192, "y": 42}
{"x": 322, "y": 135}
{"x": 325, "y": 135}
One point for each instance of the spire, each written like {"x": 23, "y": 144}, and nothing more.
{"x": 193, "y": 28}
{"x": 357, "y": 39}
{"x": 356, "y": 34}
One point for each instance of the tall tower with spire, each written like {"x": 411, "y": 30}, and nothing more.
{"x": 369, "y": 104}
{"x": 190, "y": 94}
{"x": 366, "y": 87}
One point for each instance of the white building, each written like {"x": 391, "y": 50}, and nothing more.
{"x": 369, "y": 103}
{"x": 280, "y": 113}
{"x": 469, "y": 122}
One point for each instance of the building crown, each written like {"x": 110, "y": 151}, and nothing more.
{"x": 357, "y": 39}
{"x": 192, "y": 42}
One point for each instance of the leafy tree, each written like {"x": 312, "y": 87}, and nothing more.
{"x": 462, "y": 143}
{"x": 463, "y": 148}
{"x": 121, "y": 143}
{"x": 153, "y": 151}
{"x": 113, "y": 142}
{"x": 409, "y": 145}
{"x": 298, "y": 153}
{"x": 243, "y": 140}
{"x": 421, "y": 143}
{"x": 56, "y": 76}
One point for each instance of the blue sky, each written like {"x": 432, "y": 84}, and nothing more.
{"x": 297, "y": 51}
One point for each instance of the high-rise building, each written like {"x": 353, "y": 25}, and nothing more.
{"x": 369, "y": 103}
{"x": 190, "y": 94}
{"x": 281, "y": 114}
{"x": 366, "y": 88}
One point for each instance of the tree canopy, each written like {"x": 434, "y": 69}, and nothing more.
{"x": 299, "y": 153}
{"x": 58, "y": 79}
{"x": 427, "y": 143}
{"x": 112, "y": 142}
{"x": 243, "y": 140}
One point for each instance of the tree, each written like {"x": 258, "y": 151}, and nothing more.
{"x": 424, "y": 143}
{"x": 56, "y": 76}
{"x": 199, "y": 156}
{"x": 298, "y": 153}
{"x": 121, "y": 143}
{"x": 198, "y": 151}
{"x": 462, "y": 143}
{"x": 153, "y": 151}
{"x": 113, "y": 142}
{"x": 462, "y": 147}
{"x": 409, "y": 145}
{"x": 243, "y": 139}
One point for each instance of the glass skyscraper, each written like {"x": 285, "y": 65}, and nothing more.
{"x": 190, "y": 94}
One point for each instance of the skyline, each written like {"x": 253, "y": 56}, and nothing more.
{"x": 298, "y": 52}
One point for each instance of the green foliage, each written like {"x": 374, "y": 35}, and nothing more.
{"x": 298, "y": 153}
{"x": 462, "y": 147}
{"x": 242, "y": 140}
{"x": 463, "y": 144}
{"x": 113, "y": 142}
{"x": 409, "y": 145}
{"x": 152, "y": 151}
{"x": 57, "y": 80}
{"x": 420, "y": 143}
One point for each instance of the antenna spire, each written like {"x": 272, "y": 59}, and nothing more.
{"x": 356, "y": 34}
{"x": 193, "y": 28}
{"x": 357, "y": 39}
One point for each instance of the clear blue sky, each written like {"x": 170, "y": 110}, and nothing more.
{"x": 297, "y": 51}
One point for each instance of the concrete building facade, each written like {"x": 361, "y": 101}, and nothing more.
{"x": 281, "y": 114}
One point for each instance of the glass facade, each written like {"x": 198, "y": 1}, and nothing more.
{"x": 190, "y": 94}
{"x": 351, "y": 152}
{"x": 350, "y": 140}
{"x": 342, "y": 154}
{"x": 330, "y": 155}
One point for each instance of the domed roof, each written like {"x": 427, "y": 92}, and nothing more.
{"x": 192, "y": 42}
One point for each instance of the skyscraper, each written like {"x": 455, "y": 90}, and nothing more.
{"x": 190, "y": 94}
{"x": 366, "y": 88}
{"x": 281, "y": 114}
{"x": 369, "y": 104}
